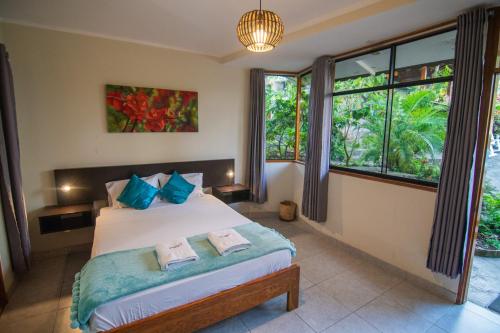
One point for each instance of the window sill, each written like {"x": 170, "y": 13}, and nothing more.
{"x": 397, "y": 182}
{"x": 428, "y": 188}
{"x": 279, "y": 161}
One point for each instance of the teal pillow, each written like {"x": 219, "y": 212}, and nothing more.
{"x": 137, "y": 194}
{"x": 177, "y": 189}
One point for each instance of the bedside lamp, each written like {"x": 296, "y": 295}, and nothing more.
{"x": 66, "y": 188}
{"x": 230, "y": 176}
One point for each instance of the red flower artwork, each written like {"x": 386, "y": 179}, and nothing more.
{"x": 155, "y": 120}
{"x": 134, "y": 109}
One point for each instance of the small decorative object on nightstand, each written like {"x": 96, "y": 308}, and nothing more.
{"x": 64, "y": 218}
{"x": 232, "y": 193}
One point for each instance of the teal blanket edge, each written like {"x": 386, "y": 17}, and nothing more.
{"x": 117, "y": 274}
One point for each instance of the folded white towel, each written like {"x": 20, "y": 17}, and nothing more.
{"x": 228, "y": 241}
{"x": 175, "y": 254}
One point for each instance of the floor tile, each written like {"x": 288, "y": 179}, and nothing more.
{"x": 374, "y": 277}
{"x": 319, "y": 310}
{"x": 62, "y": 324}
{"x": 435, "y": 329}
{"x": 74, "y": 263}
{"x": 423, "y": 303}
{"x": 486, "y": 313}
{"x": 231, "y": 325}
{"x": 265, "y": 312}
{"x": 351, "y": 324}
{"x": 461, "y": 320}
{"x": 352, "y": 293}
{"x": 309, "y": 244}
{"x": 304, "y": 282}
{"x": 325, "y": 265}
{"x": 65, "y": 299}
{"x": 289, "y": 323}
{"x": 42, "y": 323}
{"x": 389, "y": 316}
{"x": 24, "y": 305}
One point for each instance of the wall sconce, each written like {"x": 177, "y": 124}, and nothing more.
{"x": 66, "y": 188}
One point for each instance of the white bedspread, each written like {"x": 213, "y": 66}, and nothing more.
{"x": 122, "y": 229}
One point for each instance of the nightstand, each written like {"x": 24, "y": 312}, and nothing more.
{"x": 232, "y": 193}
{"x": 64, "y": 218}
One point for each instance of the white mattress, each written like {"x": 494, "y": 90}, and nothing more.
{"x": 122, "y": 229}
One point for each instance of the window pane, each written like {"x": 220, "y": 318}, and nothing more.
{"x": 418, "y": 130}
{"x": 358, "y": 130}
{"x": 304, "y": 113}
{"x": 281, "y": 97}
{"x": 426, "y": 58}
{"x": 366, "y": 71}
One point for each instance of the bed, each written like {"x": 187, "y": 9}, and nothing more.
{"x": 196, "y": 302}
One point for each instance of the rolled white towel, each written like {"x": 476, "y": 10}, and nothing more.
{"x": 172, "y": 255}
{"x": 228, "y": 241}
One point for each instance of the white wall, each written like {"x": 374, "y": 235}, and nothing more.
{"x": 390, "y": 222}
{"x": 59, "y": 86}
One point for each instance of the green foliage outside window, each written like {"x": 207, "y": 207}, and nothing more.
{"x": 281, "y": 99}
{"x": 358, "y": 130}
{"x": 417, "y": 130}
{"x": 489, "y": 226}
{"x": 489, "y": 223}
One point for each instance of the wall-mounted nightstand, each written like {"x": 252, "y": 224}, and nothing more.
{"x": 64, "y": 218}
{"x": 232, "y": 193}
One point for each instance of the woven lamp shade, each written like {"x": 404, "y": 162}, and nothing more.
{"x": 260, "y": 30}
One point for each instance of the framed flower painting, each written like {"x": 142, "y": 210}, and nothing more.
{"x": 137, "y": 109}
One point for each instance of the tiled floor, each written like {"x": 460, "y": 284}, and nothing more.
{"x": 485, "y": 281}
{"x": 339, "y": 293}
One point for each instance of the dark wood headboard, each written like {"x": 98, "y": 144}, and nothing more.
{"x": 87, "y": 184}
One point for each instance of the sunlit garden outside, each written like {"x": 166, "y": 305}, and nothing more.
{"x": 281, "y": 99}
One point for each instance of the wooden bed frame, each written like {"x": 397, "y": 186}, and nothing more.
{"x": 89, "y": 186}
{"x": 225, "y": 304}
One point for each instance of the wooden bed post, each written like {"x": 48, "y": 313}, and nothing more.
{"x": 292, "y": 297}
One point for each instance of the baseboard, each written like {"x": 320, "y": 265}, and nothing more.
{"x": 405, "y": 275}
{"x": 41, "y": 255}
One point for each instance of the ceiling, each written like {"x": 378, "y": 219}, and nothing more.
{"x": 312, "y": 27}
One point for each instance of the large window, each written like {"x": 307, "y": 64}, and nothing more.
{"x": 281, "y": 105}
{"x": 390, "y": 109}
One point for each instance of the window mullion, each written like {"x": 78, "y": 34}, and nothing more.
{"x": 388, "y": 112}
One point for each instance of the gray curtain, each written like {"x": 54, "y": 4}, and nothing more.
{"x": 257, "y": 137}
{"x": 451, "y": 214}
{"x": 315, "y": 193}
{"x": 11, "y": 192}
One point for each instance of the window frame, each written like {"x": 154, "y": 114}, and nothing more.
{"x": 390, "y": 87}
{"x": 300, "y": 75}
{"x": 389, "y": 43}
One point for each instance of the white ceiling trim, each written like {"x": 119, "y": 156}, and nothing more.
{"x": 346, "y": 15}
{"x": 105, "y": 36}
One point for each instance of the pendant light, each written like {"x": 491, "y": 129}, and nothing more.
{"x": 260, "y": 30}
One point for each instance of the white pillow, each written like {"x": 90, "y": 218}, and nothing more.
{"x": 115, "y": 188}
{"x": 194, "y": 178}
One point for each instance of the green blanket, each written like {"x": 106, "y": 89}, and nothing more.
{"x": 113, "y": 275}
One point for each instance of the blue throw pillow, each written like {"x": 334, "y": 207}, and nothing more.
{"x": 177, "y": 189}
{"x": 137, "y": 194}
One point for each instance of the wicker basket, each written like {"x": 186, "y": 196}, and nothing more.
{"x": 287, "y": 210}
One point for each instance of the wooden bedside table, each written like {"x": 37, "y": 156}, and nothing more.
{"x": 232, "y": 193}
{"x": 64, "y": 218}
